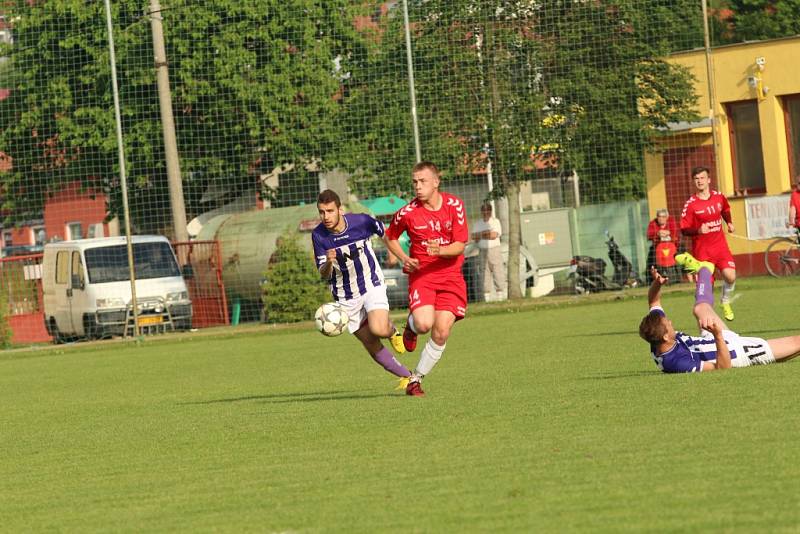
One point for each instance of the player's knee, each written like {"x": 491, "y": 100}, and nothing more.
{"x": 423, "y": 325}
{"x": 383, "y": 329}
{"x": 439, "y": 334}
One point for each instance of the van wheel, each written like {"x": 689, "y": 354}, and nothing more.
{"x": 53, "y": 328}
{"x": 90, "y": 329}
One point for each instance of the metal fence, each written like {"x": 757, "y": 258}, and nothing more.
{"x": 166, "y": 118}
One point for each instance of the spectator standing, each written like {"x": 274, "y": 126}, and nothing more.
{"x": 486, "y": 234}
{"x": 664, "y": 237}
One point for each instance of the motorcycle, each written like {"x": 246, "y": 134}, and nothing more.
{"x": 589, "y": 272}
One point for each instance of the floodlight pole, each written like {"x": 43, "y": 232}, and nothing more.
{"x": 168, "y": 125}
{"x": 123, "y": 179}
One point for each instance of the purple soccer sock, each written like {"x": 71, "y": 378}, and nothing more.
{"x": 390, "y": 363}
{"x": 705, "y": 287}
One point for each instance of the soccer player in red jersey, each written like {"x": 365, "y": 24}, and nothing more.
{"x": 436, "y": 223}
{"x": 702, "y": 219}
{"x": 794, "y": 204}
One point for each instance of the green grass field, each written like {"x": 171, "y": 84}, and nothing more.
{"x": 540, "y": 417}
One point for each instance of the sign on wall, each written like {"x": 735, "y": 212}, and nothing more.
{"x": 767, "y": 216}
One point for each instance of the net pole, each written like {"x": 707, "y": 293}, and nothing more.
{"x": 411, "y": 90}
{"x": 712, "y": 101}
{"x": 122, "y": 174}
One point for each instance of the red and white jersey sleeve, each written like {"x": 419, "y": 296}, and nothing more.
{"x": 446, "y": 225}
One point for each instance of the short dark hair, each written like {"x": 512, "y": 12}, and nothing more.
{"x": 700, "y": 168}
{"x": 422, "y": 165}
{"x": 486, "y": 206}
{"x": 652, "y": 328}
{"x": 328, "y": 196}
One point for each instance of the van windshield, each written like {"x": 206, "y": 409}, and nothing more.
{"x": 110, "y": 264}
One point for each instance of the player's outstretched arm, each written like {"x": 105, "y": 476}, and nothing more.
{"x": 654, "y": 293}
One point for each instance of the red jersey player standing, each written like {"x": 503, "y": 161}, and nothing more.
{"x": 701, "y": 219}
{"x": 436, "y": 223}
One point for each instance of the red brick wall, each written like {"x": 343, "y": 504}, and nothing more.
{"x": 72, "y": 205}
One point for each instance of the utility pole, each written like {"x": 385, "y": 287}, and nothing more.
{"x": 168, "y": 125}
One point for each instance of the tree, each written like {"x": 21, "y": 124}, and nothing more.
{"x": 735, "y": 21}
{"x": 254, "y": 86}
{"x": 498, "y": 80}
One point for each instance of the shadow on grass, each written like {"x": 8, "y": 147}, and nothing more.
{"x": 279, "y": 398}
{"x": 627, "y": 374}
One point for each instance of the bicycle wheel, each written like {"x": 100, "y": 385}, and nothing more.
{"x": 782, "y": 257}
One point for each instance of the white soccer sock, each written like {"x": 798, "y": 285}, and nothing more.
{"x": 411, "y": 324}
{"x": 430, "y": 356}
{"x": 727, "y": 291}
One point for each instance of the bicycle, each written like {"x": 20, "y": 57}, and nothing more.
{"x": 782, "y": 256}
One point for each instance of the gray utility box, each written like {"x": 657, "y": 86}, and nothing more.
{"x": 546, "y": 234}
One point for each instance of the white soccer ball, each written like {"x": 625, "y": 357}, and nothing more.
{"x": 331, "y": 319}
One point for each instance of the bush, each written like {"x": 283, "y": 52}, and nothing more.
{"x": 292, "y": 289}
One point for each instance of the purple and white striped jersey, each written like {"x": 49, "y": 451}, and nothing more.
{"x": 356, "y": 268}
{"x": 689, "y": 352}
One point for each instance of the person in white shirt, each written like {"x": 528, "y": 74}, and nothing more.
{"x": 486, "y": 233}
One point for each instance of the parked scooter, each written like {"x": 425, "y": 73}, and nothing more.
{"x": 624, "y": 273}
{"x": 589, "y": 272}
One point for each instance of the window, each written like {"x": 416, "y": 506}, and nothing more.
{"x": 151, "y": 260}
{"x": 39, "y": 235}
{"x": 77, "y": 267}
{"x": 74, "y": 230}
{"x": 791, "y": 115}
{"x": 745, "y": 135}
{"x": 8, "y": 239}
{"x": 62, "y": 267}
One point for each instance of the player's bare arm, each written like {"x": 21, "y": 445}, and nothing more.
{"x": 654, "y": 293}
{"x": 327, "y": 267}
{"x": 409, "y": 264}
{"x": 445, "y": 251}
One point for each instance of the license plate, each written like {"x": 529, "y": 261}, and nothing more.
{"x": 145, "y": 321}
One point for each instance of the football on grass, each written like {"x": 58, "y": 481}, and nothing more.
{"x": 331, "y": 319}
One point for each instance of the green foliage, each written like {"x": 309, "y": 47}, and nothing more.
{"x": 5, "y": 330}
{"x": 506, "y": 79}
{"x": 253, "y": 85}
{"x": 292, "y": 289}
{"x": 735, "y": 21}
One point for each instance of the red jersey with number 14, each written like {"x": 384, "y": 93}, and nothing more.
{"x": 446, "y": 225}
{"x": 711, "y": 211}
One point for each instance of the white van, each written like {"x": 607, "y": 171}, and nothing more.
{"x": 87, "y": 288}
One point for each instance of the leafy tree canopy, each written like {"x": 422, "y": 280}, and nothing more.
{"x": 253, "y": 87}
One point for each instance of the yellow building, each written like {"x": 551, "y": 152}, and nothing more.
{"x": 757, "y": 108}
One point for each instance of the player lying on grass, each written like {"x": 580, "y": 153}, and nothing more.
{"x": 345, "y": 258}
{"x": 716, "y": 347}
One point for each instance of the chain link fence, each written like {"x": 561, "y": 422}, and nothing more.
{"x": 234, "y": 114}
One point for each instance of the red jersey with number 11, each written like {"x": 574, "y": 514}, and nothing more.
{"x": 446, "y": 225}
{"x": 711, "y": 211}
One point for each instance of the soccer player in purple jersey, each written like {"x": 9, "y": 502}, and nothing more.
{"x": 344, "y": 257}
{"x": 716, "y": 347}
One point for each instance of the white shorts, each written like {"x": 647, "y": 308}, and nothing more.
{"x": 358, "y": 307}
{"x": 748, "y": 350}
